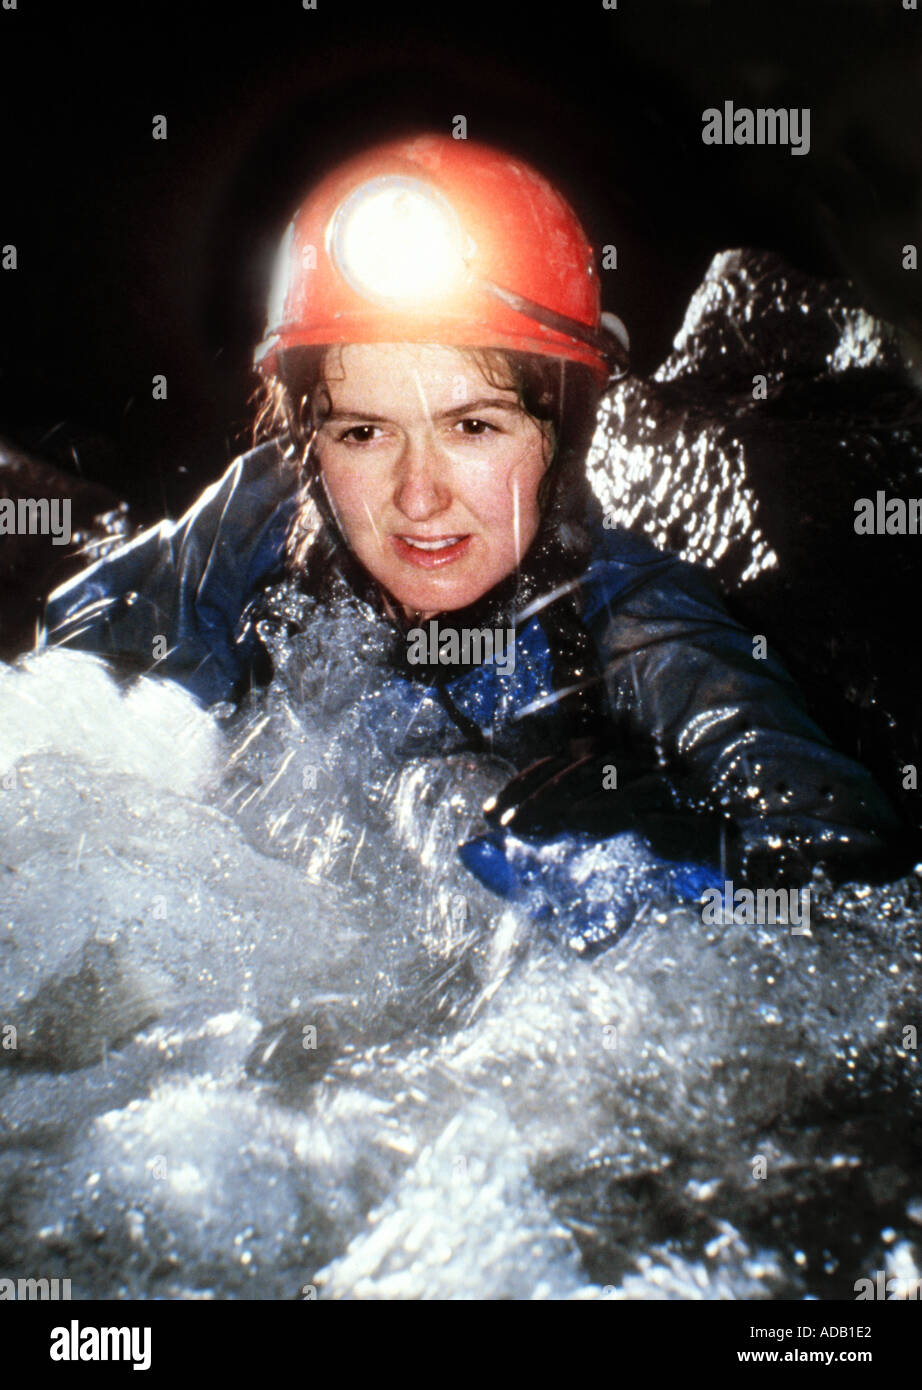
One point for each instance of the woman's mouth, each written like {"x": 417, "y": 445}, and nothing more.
{"x": 430, "y": 552}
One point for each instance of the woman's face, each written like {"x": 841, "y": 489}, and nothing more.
{"x": 432, "y": 473}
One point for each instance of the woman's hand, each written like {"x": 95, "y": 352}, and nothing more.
{"x": 619, "y": 852}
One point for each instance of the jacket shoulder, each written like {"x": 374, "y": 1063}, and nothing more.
{"x": 187, "y": 581}
{"x": 622, "y": 562}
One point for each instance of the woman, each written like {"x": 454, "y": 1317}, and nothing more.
{"x": 433, "y": 365}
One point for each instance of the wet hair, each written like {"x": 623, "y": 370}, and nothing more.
{"x": 560, "y": 395}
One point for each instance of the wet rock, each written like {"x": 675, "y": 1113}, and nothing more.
{"x": 93, "y": 1005}
{"x": 782, "y": 403}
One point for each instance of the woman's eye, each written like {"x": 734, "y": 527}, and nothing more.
{"x": 476, "y": 427}
{"x": 359, "y": 434}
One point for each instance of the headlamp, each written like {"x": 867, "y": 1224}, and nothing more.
{"x": 398, "y": 241}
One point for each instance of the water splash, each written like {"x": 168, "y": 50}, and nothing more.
{"x": 282, "y": 1042}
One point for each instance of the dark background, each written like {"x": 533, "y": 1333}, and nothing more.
{"x": 139, "y": 257}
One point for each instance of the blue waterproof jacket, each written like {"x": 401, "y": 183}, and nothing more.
{"x": 625, "y": 672}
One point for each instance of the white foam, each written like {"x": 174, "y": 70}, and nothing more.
{"x": 353, "y": 1086}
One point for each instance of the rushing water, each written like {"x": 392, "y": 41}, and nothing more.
{"x": 272, "y": 1037}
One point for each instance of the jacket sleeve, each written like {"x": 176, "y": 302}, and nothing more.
{"x": 681, "y": 673}
{"x": 185, "y": 582}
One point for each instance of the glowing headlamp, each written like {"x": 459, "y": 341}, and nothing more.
{"x": 398, "y": 241}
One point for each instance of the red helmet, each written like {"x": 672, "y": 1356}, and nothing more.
{"x": 432, "y": 239}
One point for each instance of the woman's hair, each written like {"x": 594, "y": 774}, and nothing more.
{"x": 552, "y": 390}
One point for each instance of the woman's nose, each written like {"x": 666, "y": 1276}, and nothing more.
{"x": 422, "y": 489}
